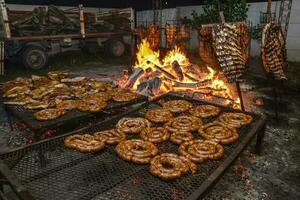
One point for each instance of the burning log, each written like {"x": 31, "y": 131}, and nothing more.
{"x": 143, "y": 88}
{"x": 194, "y": 72}
{"x": 154, "y": 85}
{"x": 170, "y": 76}
{"x": 149, "y": 87}
{"x": 204, "y": 83}
{"x": 156, "y": 74}
{"x": 133, "y": 77}
{"x": 189, "y": 77}
{"x": 176, "y": 67}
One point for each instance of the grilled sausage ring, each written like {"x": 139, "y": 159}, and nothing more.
{"x": 122, "y": 95}
{"x": 177, "y": 105}
{"x": 48, "y": 114}
{"x": 158, "y": 115}
{"x": 181, "y": 136}
{"x": 235, "y": 120}
{"x": 132, "y": 125}
{"x": 136, "y": 151}
{"x": 155, "y": 134}
{"x": 183, "y": 123}
{"x": 111, "y": 136}
{"x": 200, "y": 150}
{"x": 67, "y": 104}
{"x": 84, "y": 143}
{"x": 218, "y": 132}
{"x": 169, "y": 166}
{"x": 205, "y": 111}
{"x": 100, "y": 96}
{"x": 91, "y": 106}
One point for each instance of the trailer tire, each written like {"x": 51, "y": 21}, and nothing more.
{"x": 115, "y": 47}
{"x": 91, "y": 47}
{"x": 34, "y": 57}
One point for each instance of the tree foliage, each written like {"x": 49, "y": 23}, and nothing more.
{"x": 233, "y": 10}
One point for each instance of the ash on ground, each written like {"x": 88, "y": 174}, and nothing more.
{"x": 273, "y": 175}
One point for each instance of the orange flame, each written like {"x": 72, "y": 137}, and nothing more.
{"x": 154, "y": 67}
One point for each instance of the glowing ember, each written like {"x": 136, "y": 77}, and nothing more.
{"x": 154, "y": 76}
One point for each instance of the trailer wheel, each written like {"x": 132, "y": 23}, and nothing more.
{"x": 115, "y": 47}
{"x": 34, "y": 57}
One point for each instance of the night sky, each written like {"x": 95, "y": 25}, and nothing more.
{"x": 137, "y": 4}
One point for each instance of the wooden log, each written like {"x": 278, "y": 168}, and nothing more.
{"x": 176, "y": 67}
{"x": 143, "y": 88}
{"x": 155, "y": 85}
{"x": 195, "y": 71}
{"x": 190, "y": 77}
{"x": 150, "y": 87}
{"x": 133, "y": 77}
{"x": 202, "y": 84}
{"x": 167, "y": 74}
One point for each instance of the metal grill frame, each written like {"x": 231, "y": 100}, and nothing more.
{"x": 256, "y": 128}
{"x": 69, "y": 119}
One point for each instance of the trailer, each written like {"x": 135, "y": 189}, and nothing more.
{"x": 32, "y": 48}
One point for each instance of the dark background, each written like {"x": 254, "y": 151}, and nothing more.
{"x": 136, "y": 4}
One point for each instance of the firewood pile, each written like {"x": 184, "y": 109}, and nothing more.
{"x": 42, "y": 21}
{"x": 274, "y": 51}
{"x": 52, "y": 20}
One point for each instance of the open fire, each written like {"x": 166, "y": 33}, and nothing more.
{"x": 154, "y": 76}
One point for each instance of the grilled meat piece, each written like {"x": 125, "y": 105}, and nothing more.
{"x": 170, "y": 32}
{"x": 153, "y": 36}
{"x": 274, "y": 51}
{"x": 231, "y": 48}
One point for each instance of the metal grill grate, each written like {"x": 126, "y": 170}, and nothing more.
{"x": 50, "y": 171}
{"x": 27, "y": 115}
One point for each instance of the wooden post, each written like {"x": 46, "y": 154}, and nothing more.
{"x": 222, "y": 18}
{"x": 5, "y": 21}
{"x": 81, "y": 21}
{"x": 269, "y": 13}
{"x": 2, "y": 57}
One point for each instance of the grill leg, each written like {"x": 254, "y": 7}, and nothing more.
{"x": 9, "y": 119}
{"x": 37, "y": 135}
{"x": 41, "y": 156}
{"x": 259, "y": 140}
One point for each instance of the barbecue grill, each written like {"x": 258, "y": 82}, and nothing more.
{"x": 70, "y": 119}
{"x": 49, "y": 170}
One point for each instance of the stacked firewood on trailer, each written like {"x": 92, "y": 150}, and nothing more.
{"x": 274, "y": 51}
{"x": 110, "y": 20}
{"x": 231, "y": 47}
{"x": 42, "y": 21}
{"x": 52, "y": 20}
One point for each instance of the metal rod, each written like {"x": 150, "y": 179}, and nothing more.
{"x": 240, "y": 95}
{"x": 51, "y": 37}
{"x": 275, "y": 103}
{"x": 1, "y": 57}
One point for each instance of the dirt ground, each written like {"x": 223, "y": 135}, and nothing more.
{"x": 273, "y": 175}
